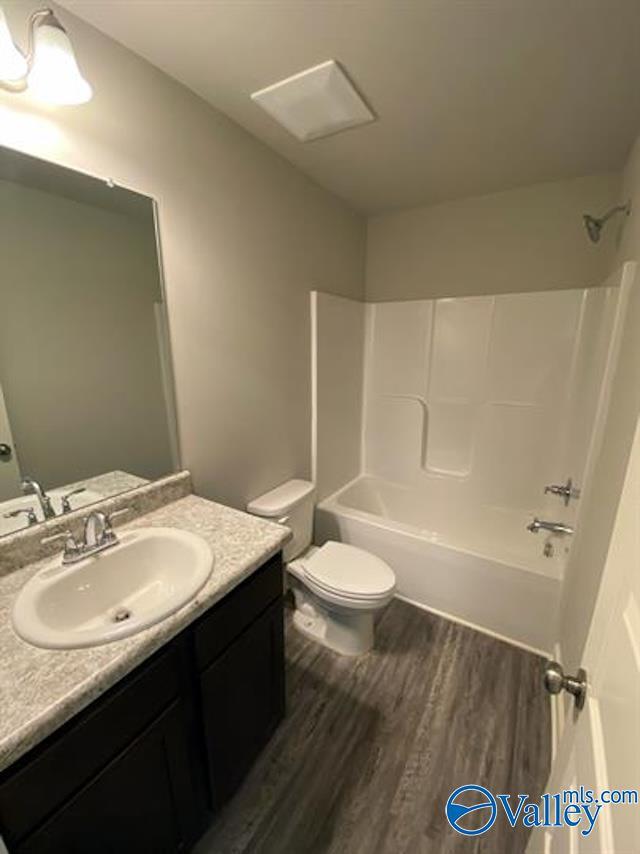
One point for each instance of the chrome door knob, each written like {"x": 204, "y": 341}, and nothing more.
{"x": 553, "y": 677}
{"x": 5, "y": 451}
{"x": 555, "y": 681}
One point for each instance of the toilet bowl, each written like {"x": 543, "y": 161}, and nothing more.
{"x": 337, "y": 588}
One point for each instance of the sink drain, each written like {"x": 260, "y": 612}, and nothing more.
{"x": 121, "y": 615}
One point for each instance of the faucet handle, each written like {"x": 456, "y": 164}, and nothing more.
{"x": 109, "y": 533}
{"x": 28, "y": 511}
{"x": 116, "y": 513}
{"x": 566, "y": 491}
{"x": 66, "y": 506}
{"x": 71, "y": 547}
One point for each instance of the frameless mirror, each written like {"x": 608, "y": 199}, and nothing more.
{"x": 86, "y": 392}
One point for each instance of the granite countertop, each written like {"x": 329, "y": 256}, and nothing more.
{"x": 109, "y": 483}
{"x": 40, "y": 689}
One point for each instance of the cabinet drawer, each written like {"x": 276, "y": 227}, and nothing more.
{"x": 35, "y": 786}
{"x": 227, "y": 620}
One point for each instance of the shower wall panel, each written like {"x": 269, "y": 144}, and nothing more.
{"x": 496, "y": 394}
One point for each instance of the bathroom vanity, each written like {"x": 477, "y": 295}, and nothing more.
{"x": 177, "y": 715}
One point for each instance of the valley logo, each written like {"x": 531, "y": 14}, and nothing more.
{"x": 472, "y": 810}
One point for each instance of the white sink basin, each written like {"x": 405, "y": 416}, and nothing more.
{"x": 149, "y": 575}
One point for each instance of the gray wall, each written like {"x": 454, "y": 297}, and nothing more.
{"x": 528, "y": 239}
{"x": 79, "y": 358}
{"x": 245, "y": 237}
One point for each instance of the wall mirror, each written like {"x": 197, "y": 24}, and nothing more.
{"x": 86, "y": 392}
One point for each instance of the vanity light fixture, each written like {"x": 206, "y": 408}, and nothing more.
{"x": 13, "y": 65}
{"x": 49, "y": 70}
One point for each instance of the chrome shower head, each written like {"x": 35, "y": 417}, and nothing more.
{"x": 595, "y": 224}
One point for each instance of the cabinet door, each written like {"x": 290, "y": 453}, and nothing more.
{"x": 243, "y": 701}
{"x": 139, "y": 803}
{"x": 40, "y": 784}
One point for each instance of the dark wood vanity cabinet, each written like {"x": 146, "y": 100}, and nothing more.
{"x": 143, "y": 768}
{"x": 138, "y": 802}
{"x": 238, "y": 729}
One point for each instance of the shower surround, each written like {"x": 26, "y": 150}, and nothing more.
{"x": 467, "y": 408}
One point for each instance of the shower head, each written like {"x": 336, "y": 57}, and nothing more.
{"x": 595, "y": 224}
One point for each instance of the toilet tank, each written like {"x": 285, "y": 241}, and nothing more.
{"x": 291, "y": 504}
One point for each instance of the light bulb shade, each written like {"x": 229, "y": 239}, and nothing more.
{"x": 55, "y": 76}
{"x": 13, "y": 65}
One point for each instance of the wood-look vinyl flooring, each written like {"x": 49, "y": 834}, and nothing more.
{"x": 372, "y": 747}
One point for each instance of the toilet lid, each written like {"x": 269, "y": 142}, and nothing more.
{"x": 347, "y": 569}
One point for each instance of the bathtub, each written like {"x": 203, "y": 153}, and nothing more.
{"x": 473, "y": 563}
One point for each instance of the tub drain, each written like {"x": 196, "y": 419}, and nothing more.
{"x": 121, "y": 615}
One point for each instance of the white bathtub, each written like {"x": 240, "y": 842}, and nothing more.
{"x": 474, "y": 563}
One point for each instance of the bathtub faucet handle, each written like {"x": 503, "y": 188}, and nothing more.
{"x": 566, "y": 491}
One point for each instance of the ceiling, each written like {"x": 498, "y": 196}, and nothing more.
{"x": 473, "y": 96}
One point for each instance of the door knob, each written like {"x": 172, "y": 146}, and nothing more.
{"x": 555, "y": 681}
{"x": 5, "y": 451}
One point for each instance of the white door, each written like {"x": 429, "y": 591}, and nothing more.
{"x": 9, "y": 470}
{"x": 600, "y": 746}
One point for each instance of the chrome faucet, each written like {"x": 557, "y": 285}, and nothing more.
{"x": 98, "y": 535}
{"x": 552, "y": 527}
{"x": 66, "y": 504}
{"x": 566, "y": 491}
{"x": 29, "y": 512}
{"x": 32, "y": 487}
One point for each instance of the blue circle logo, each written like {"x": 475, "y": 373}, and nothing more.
{"x": 456, "y": 811}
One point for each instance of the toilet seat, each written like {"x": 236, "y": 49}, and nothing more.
{"x": 337, "y": 570}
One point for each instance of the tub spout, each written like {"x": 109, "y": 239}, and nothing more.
{"x": 552, "y": 527}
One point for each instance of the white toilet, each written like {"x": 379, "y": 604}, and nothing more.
{"x": 337, "y": 588}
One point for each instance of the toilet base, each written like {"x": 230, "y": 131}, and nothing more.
{"x": 344, "y": 631}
